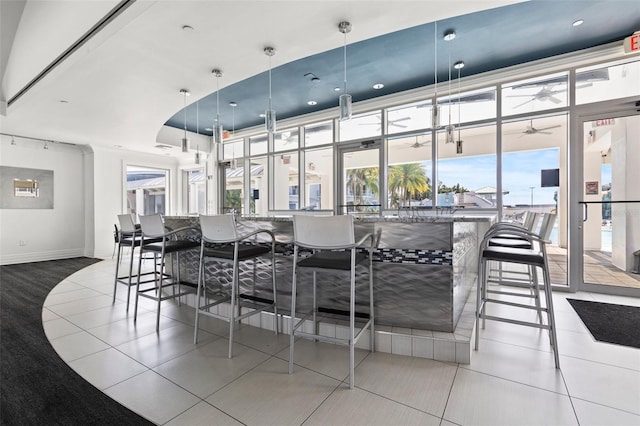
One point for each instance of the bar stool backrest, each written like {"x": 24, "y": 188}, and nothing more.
{"x": 126, "y": 223}
{"x": 152, "y": 225}
{"x": 546, "y": 225}
{"x": 218, "y": 228}
{"x": 324, "y": 231}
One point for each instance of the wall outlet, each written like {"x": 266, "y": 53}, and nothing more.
{"x": 23, "y": 243}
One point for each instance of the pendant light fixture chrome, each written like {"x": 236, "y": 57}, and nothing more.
{"x": 270, "y": 113}
{"x": 217, "y": 125}
{"x": 185, "y": 141}
{"x": 345, "y": 99}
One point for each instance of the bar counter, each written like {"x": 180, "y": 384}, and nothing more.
{"x": 424, "y": 268}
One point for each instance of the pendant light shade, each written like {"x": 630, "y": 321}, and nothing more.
{"x": 270, "y": 113}
{"x": 185, "y": 142}
{"x": 345, "y": 99}
{"x": 217, "y": 125}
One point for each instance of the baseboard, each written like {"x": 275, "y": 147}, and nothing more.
{"x": 10, "y": 259}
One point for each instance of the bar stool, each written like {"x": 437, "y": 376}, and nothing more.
{"x": 129, "y": 235}
{"x": 535, "y": 256}
{"x": 157, "y": 240}
{"x": 221, "y": 242}
{"x": 325, "y": 235}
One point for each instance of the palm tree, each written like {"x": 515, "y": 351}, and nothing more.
{"x": 407, "y": 180}
{"x": 359, "y": 180}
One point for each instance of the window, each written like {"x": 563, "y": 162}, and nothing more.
{"x": 318, "y": 179}
{"x": 146, "y": 190}
{"x": 537, "y": 94}
{"x": 285, "y": 140}
{"x": 232, "y": 150}
{"x": 468, "y": 106}
{"x": 258, "y": 145}
{"x": 195, "y": 182}
{"x": 318, "y": 134}
{"x": 467, "y": 170}
{"x": 285, "y": 175}
{"x": 361, "y": 126}
{"x": 608, "y": 82}
{"x": 409, "y": 171}
{"x": 405, "y": 118}
{"x": 258, "y": 191}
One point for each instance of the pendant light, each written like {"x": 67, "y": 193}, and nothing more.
{"x": 459, "y": 65}
{"x": 185, "y": 141}
{"x": 435, "y": 111}
{"x": 270, "y": 114}
{"x": 345, "y": 99}
{"x": 217, "y": 126}
{"x": 197, "y": 159}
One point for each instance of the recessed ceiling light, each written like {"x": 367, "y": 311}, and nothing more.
{"x": 187, "y": 28}
{"x": 378, "y": 86}
{"x": 208, "y": 129}
{"x": 233, "y": 104}
{"x": 312, "y": 103}
{"x": 449, "y": 35}
{"x": 336, "y": 89}
{"x": 459, "y": 65}
{"x": 578, "y": 22}
{"x": 261, "y": 115}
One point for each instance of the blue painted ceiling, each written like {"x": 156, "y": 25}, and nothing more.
{"x": 485, "y": 41}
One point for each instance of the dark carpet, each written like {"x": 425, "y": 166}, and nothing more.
{"x": 36, "y": 386}
{"x": 619, "y": 324}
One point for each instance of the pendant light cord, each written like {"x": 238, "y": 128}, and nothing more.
{"x": 345, "y": 61}
{"x": 459, "y": 116}
{"x": 270, "y": 82}
{"x": 185, "y": 114}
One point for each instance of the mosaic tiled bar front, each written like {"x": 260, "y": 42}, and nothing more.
{"x": 424, "y": 269}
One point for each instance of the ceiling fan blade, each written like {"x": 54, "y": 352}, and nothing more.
{"x": 524, "y": 103}
{"x": 402, "y": 126}
{"x": 554, "y": 100}
{"x": 543, "y": 133}
{"x": 549, "y": 128}
{"x": 400, "y": 119}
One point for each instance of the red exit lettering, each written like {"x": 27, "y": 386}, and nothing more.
{"x": 632, "y": 43}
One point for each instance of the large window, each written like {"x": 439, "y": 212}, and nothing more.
{"x": 361, "y": 126}
{"x": 539, "y": 94}
{"x": 146, "y": 190}
{"x": 285, "y": 182}
{"x": 466, "y": 168}
{"x": 195, "y": 191}
{"x": 609, "y": 82}
{"x": 318, "y": 179}
{"x": 409, "y": 171}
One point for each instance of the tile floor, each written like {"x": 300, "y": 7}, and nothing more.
{"x": 164, "y": 377}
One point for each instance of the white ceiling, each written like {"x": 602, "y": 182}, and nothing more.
{"x": 123, "y": 84}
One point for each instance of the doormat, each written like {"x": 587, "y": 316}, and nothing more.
{"x": 610, "y": 323}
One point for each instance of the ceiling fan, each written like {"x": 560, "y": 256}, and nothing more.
{"x": 419, "y": 143}
{"x": 531, "y": 130}
{"x": 544, "y": 94}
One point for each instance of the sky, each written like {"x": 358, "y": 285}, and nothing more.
{"x": 520, "y": 172}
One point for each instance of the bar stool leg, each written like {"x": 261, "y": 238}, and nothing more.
{"x": 293, "y": 307}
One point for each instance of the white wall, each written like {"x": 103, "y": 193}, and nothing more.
{"x": 46, "y": 233}
{"x": 109, "y": 188}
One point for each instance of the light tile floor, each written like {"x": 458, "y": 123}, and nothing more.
{"x": 164, "y": 377}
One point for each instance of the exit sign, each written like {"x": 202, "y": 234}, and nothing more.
{"x": 632, "y": 43}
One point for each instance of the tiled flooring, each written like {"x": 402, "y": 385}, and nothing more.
{"x": 164, "y": 377}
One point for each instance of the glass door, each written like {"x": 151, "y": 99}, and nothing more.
{"x": 609, "y": 203}
{"x": 359, "y": 166}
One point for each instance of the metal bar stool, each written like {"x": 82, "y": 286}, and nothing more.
{"x": 534, "y": 256}
{"x": 153, "y": 230}
{"x": 325, "y": 235}
{"x": 221, "y": 242}
{"x": 129, "y": 235}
